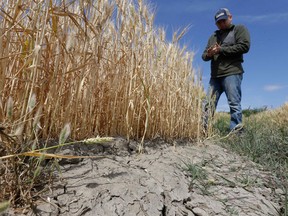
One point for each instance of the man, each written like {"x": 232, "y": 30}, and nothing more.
{"x": 225, "y": 50}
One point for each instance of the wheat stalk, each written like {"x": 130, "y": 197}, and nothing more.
{"x": 101, "y": 66}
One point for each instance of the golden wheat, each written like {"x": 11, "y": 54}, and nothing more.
{"x": 100, "y": 66}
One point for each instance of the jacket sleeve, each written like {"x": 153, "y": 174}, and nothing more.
{"x": 204, "y": 55}
{"x": 242, "y": 42}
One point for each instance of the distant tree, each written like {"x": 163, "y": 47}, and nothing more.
{"x": 248, "y": 112}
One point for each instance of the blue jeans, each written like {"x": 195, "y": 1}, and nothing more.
{"x": 231, "y": 85}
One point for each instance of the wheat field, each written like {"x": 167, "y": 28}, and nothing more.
{"x": 102, "y": 67}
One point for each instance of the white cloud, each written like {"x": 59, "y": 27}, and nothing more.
{"x": 268, "y": 18}
{"x": 271, "y": 88}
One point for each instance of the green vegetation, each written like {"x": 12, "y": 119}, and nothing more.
{"x": 195, "y": 171}
{"x": 249, "y": 112}
{"x": 198, "y": 177}
{"x": 264, "y": 140}
{"x": 3, "y": 206}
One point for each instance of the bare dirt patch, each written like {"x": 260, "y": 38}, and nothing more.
{"x": 158, "y": 182}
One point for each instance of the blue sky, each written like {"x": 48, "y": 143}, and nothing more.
{"x": 265, "y": 81}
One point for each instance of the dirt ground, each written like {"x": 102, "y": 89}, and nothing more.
{"x": 157, "y": 182}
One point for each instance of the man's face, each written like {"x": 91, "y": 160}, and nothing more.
{"x": 224, "y": 24}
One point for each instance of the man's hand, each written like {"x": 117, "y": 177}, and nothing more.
{"x": 213, "y": 50}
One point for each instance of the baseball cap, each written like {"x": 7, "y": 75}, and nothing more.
{"x": 222, "y": 14}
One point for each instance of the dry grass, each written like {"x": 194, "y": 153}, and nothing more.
{"x": 24, "y": 174}
{"x": 277, "y": 117}
{"x": 97, "y": 67}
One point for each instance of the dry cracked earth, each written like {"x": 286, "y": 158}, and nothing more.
{"x": 166, "y": 180}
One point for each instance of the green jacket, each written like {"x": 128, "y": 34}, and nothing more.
{"x": 234, "y": 42}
